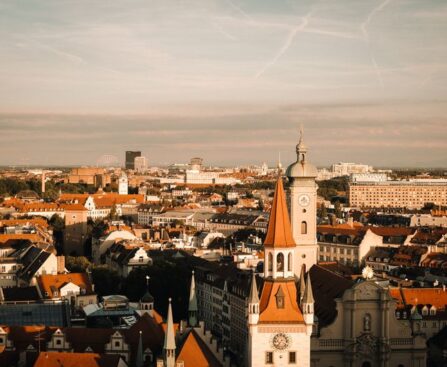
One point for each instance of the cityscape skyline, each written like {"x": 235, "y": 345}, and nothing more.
{"x": 225, "y": 139}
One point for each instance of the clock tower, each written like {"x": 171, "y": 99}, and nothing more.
{"x": 303, "y": 208}
{"x": 279, "y": 329}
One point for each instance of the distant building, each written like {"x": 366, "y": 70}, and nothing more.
{"x": 369, "y": 177}
{"x": 89, "y": 176}
{"x": 343, "y": 169}
{"x": 140, "y": 164}
{"x": 130, "y": 158}
{"x": 412, "y": 194}
{"x": 123, "y": 185}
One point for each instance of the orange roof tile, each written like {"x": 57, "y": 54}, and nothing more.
{"x": 279, "y": 233}
{"x": 75, "y": 207}
{"x": 195, "y": 353}
{"x": 270, "y": 313}
{"x": 65, "y": 359}
{"x": 425, "y": 296}
{"x": 397, "y": 295}
{"x": 22, "y": 222}
{"x": 48, "y": 283}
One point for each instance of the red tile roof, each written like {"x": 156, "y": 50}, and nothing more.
{"x": 195, "y": 353}
{"x": 49, "y": 283}
{"x": 279, "y": 233}
{"x": 64, "y": 359}
{"x": 269, "y": 311}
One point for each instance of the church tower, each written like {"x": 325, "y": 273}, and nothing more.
{"x": 303, "y": 208}
{"x": 123, "y": 184}
{"x": 279, "y": 334}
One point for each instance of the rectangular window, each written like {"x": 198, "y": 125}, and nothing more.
{"x": 292, "y": 357}
{"x": 269, "y": 357}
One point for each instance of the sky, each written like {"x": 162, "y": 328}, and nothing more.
{"x": 228, "y": 80}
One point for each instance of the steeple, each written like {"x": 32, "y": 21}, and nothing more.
{"x": 253, "y": 302}
{"x": 307, "y": 304}
{"x": 279, "y": 233}
{"x": 192, "y": 306}
{"x": 279, "y": 165}
{"x": 147, "y": 301}
{"x": 301, "y": 148}
{"x": 139, "y": 361}
{"x": 169, "y": 344}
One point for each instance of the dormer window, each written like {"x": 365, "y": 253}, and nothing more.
{"x": 280, "y": 298}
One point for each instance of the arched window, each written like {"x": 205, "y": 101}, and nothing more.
{"x": 366, "y": 364}
{"x": 289, "y": 262}
{"x": 280, "y": 262}
{"x": 270, "y": 260}
{"x": 303, "y": 227}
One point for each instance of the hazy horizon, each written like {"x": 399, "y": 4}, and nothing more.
{"x": 228, "y": 80}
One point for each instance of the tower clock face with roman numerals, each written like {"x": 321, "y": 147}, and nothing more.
{"x": 280, "y": 341}
{"x": 304, "y": 200}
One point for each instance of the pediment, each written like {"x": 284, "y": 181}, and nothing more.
{"x": 367, "y": 290}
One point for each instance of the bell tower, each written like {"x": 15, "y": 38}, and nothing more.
{"x": 278, "y": 332}
{"x": 303, "y": 207}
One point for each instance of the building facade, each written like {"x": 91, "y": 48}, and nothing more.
{"x": 413, "y": 194}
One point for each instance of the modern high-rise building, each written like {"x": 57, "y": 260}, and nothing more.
{"x": 130, "y": 158}
{"x": 140, "y": 164}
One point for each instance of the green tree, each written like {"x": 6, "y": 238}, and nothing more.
{"x": 77, "y": 264}
{"x": 323, "y": 211}
{"x": 50, "y": 195}
{"x": 97, "y": 228}
{"x": 113, "y": 215}
{"x": 106, "y": 280}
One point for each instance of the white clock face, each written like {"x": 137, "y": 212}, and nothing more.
{"x": 304, "y": 200}
{"x": 280, "y": 341}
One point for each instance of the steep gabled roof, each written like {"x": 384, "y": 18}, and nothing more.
{"x": 269, "y": 310}
{"x": 279, "y": 233}
{"x": 64, "y": 359}
{"x": 195, "y": 353}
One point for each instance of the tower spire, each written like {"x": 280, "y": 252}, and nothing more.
{"x": 301, "y": 148}
{"x": 169, "y": 344}
{"x": 308, "y": 303}
{"x": 279, "y": 233}
{"x": 253, "y": 302}
{"x": 253, "y": 297}
{"x": 192, "y": 306}
{"x": 139, "y": 362}
{"x": 279, "y": 166}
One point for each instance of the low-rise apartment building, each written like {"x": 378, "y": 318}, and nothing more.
{"x": 412, "y": 194}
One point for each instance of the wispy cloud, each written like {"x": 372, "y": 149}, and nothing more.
{"x": 287, "y": 43}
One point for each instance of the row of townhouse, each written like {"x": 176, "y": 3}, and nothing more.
{"x": 349, "y": 244}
